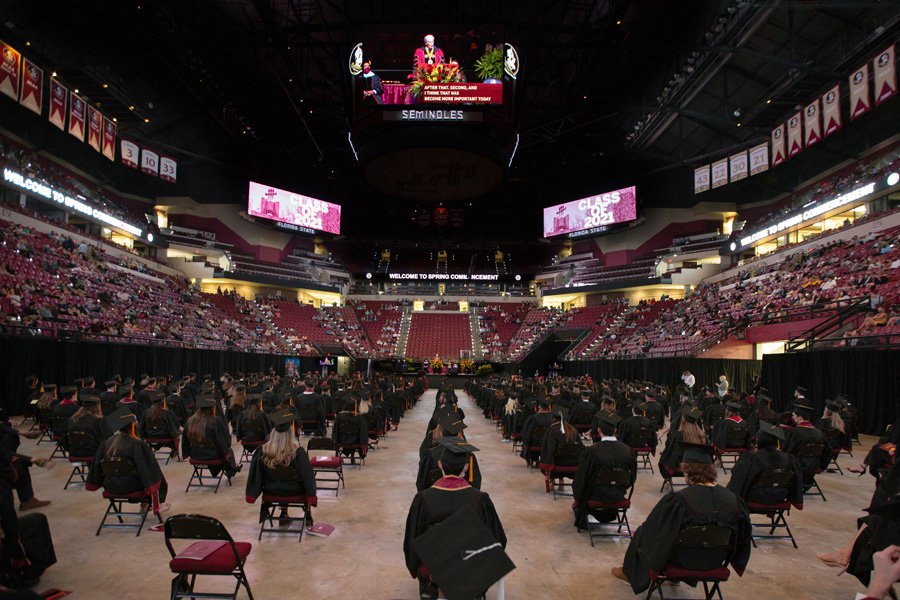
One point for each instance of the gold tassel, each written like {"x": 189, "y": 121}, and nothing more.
{"x": 471, "y": 460}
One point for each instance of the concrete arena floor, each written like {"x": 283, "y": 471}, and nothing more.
{"x": 363, "y": 557}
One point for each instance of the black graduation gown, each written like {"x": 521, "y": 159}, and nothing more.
{"x": 631, "y": 425}
{"x": 108, "y": 401}
{"x": 245, "y": 434}
{"x": 694, "y": 505}
{"x": 94, "y": 425}
{"x": 150, "y": 479}
{"x": 221, "y": 440}
{"x": 720, "y": 431}
{"x": 63, "y": 410}
{"x": 171, "y": 427}
{"x": 135, "y": 407}
{"x": 32, "y": 535}
{"x": 600, "y": 457}
{"x": 259, "y": 482}
{"x": 654, "y": 411}
{"x": 595, "y": 423}
{"x": 446, "y": 497}
{"x": 843, "y": 440}
{"x": 311, "y": 407}
{"x": 540, "y": 419}
{"x": 751, "y": 464}
{"x": 879, "y": 532}
{"x": 362, "y": 438}
{"x": 429, "y": 462}
{"x": 581, "y": 413}
{"x": 797, "y": 437}
{"x": 553, "y": 439}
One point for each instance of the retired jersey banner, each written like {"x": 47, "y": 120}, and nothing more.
{"x": 795, "y": 135}
{"x": 9, "y": 71}
{"x": 32, "y": 86}
{"x": 885, "y": 76}
{"x": 859, "y": 92}
{"x": 109, "y": 138}
{"x": 129, "y": 152}
{"x": 759, "y": 158}
{"x": 58, "y": 95}
{"x": 812, "y": 130}
{"x": 701, "y": 179}
{"x": 150, "y": 162}
{"x": 94, "y": 130}
{"x": 77, "y": 107}
{"x": 168, "y": 168}
{"x": 720, "y": 173}
{"x": 739, "y": 166}
{"x": 831, "y": 110}
{"x": 778, "y": 154}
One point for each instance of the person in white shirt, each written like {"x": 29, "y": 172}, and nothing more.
{"x": 689, "y": 380}
{"x": 722, "y": 387}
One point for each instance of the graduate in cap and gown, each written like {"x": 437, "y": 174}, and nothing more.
{"x": 428, "y": 463}
{"x": 206, "y": 437}
{"x": 768, "y": 456}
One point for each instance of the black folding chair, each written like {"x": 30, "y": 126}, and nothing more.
{"x": 122, "y": 467}
{"x": 810, "y": 459}
{"x": 58, "y": 424}
{"x": 613, "y": 479}
{"x": 640, "y": 441}
{"x": 227, "y": 560}
{"x": 565, "y": 466}
{"x": 700, "y": 554}
{"x": 349, "y": 430}
{"x": 333, "y": 465}
{"x": 202, "y": 468}
{"x": 737, "y": 442}
{"x": 80, "y": 464}
{"x": 156, "y": 434}
{"x": 271, "y": 502}
{"x": 776, "y": 484}
{"x": 249, "y": 447}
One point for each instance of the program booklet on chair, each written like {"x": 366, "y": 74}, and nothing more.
{"x": 201, "y": 550}
{"x": 320, "y": 529}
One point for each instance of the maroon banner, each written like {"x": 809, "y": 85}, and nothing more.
{"x": 77, "y": 109}
{"x": 94, "y": 122}
{"x": 795, "y": 135}
{"x": 58, "y": 95}
{"x": 831, "y": 110}
{"x": 811, "y": 124}
{"x": 109, "y": 138}
{"x": 168, "y": 168}
{"x": 32, "y": 86}
{"x": 778, "y": 154}
{"x": 859, "y": 92}
{"x": 457, "y": 93}
{"x": 9, "y": 71}
{"x": 885, "y": 76}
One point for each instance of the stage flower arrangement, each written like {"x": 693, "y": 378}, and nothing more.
{"x": 466, "y": 366}
{"x": 437, "y": 366}
{"x": 439, "y": 73}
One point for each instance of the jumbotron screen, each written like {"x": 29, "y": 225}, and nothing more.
{"x": 290, "y": 207}
{"x": 581, "y": 216}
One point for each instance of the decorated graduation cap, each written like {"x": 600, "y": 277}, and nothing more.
{"x": 157, "y": 395}
{"x": 771, "y": 430}
{"x": 120, "y": 419}
{"x": 803, "y": 411}
{"x": 456, "y": 453}
{"x": 450, "y": 423}
{"x": 283, "y": 420}
{"x": 697, "y": 453}
{"x": 462, "y": 555}
{"x": 692, "y": 414}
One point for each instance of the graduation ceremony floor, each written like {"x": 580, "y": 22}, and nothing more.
{"x": 363, "y": 557}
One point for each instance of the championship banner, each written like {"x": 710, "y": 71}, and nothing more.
{"x": 831, "y": 110}
{"x": 778, "y": 154}
{"x": 129, "y": 152}
{"x": 795, "y": 135}
{"x": 109, "y": 138}
{"x": 168, "y": 168}
{"x": 58, "y": 95}
{"x": 701, "y": 179}
{"x": 76, "y": 116}
{"x": 859, "y": 92}
{"x": 759, "y": 158}
{"x": 811, "y": 125}
{"x": 9, "y": 71}
{"x": 150, "y": 162}
{"x": 885, "y": 76}
{"x": 720, "y": 173}
{"x": 32, "y": 86}
{"x": 739, "y": 167}
{"x": 94, "y": 122}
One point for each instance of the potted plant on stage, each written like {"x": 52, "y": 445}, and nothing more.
{"x": 429, "y": 74}
{"x": 437, "y": 366}
{"x": 489, "y": 68}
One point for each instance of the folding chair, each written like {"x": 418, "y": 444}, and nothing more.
{"x": 737, "y": 442}
{"x": 640, "y": 440}
{"x": 43, "y": 422}
{"x": 806, "y": 454}
{"x": 81, "y": 464}
{"x": 249, "y": 447}
{"x": 611, "y": 478}
{"x": 202, "y": 469}
{"x": 58, "y": 424}
{"x": 326, "y": 464}
{"x": 228, "y": 560}
{"x": 700, "y": 554}
{"x": 122, "y": 467}
{"x": 556, "y": 473}
{"x": 669, "y": 476}
{"x": 350, "y": 430}
{"x": 271, "y": 502}
{"x": 833, "y": 437}
{"x": 157, "y": 427}
{"x": 309, "y": 422}
{"x": 371, "y": 430}
{"x": 533, "y": 452}
{"x": 777, "y": 482}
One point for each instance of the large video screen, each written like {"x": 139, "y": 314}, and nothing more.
{"x": 395, "y": 65}
{"x": 289, "y": 207}
{"x": 590, "y": 213}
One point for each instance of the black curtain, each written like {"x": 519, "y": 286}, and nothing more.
{"x": 63, "y": 361}
{"x": 868, "y": 376}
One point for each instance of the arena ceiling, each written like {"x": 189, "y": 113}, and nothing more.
{"x": 610, "y": 93}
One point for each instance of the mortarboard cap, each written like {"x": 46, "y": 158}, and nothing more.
{"x": 117, "y": 377}
{"x": 845, "y": 397}
{"x": 110, "y": 383}
{"x": 157, "y": 395}
{"x": 611, "y": 418}
{"x": 80, "y": 381}
{"x": 120, "y": 418}
{"x": 691, "y": 414}
{"x": 773, "y": 430}
{"x": 89, "y": 380}
{"x": 128, "y": 381}
{"x": 455, "y": 453}
{"x": 697, "y": 453}
{"x": 803, "y": 411}
{"x": 763, "y": 391}
{"x": 68, "y": 390}
{"x": 736, "y": 406}
{"x": 206, "y": 401}
{"x": 90, "y": 400}
{"x": 283, "y": 420}
{"x": 462, "y": 555}
{"x": 451, "y": 424}
{"x": 124, "y": 390}
{"x": 49, "y": 387}
{"x": 800, "y": 389}
{"x": 835, "y": 405}
{"x": 31, "y": 380}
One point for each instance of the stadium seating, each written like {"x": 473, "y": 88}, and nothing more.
{"x": 438, "y": 333}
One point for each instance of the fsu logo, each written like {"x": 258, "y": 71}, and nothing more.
{"x": 9, "y": 56}
{"x": 79, "y": 103}
{"x": 778, "y": 134}
{"x": 883, "y": 59}
{"x": 95, "y": 118}
{"x": 829, "y": 98}
{"x": 811, "y": 110}
{"x": 109, "y": 127}
{"x": 58, "y": 91}
{"x": 33, "y": 72}
{"x": 793, "y": 122}
{"x": 858, "y": 77}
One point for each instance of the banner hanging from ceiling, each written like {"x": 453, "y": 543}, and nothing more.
{"x": 859, "y": 92}
{"x": 150, "y": 162}
{"x": 885, "y": 76}
{"x": 129, "y": 151}
{"x": 168, "y": 168}
{"x": 812, "y": 130}
{"x": 701, "y": 179}
{"x": 77, "y": 109}
{"x": 795, "y": 135}
{"x": 720, "y": 173}
{"x": 109, "y": 138}
{"x": 58, "y": 96}
{"x": 94, "y": 129}
{"x": 778, "y": 154}
{"x": 831, "y": 110}
{"x": 739, "y": 166}
{"x": 9, "y": 71}
{"x": 32, "y": 86}
{"x": 759, "y": 158}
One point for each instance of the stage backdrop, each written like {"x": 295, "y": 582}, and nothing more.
{"x": 61, "y": 362}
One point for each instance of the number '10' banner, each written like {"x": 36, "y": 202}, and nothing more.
{"x": 594, "y": 211}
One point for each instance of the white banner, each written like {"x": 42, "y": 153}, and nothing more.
{"x": 778, "y": 154}
{"x": 739, "y": 166}
{"x": 812, "y": 131}
{"x": 168, "y": 168}
{"x": 831, "y": 110}
{"x": 150, "y": 162}
{"x": 795, "y": 135}
{"x": 130, "y": 152}
{"x": 859, "y": 92}
{"x": 701, "y": 179}
{"x": 720, "y": 173}
{"x": 885, "y": 76}
{"x": 759, "y": 158}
